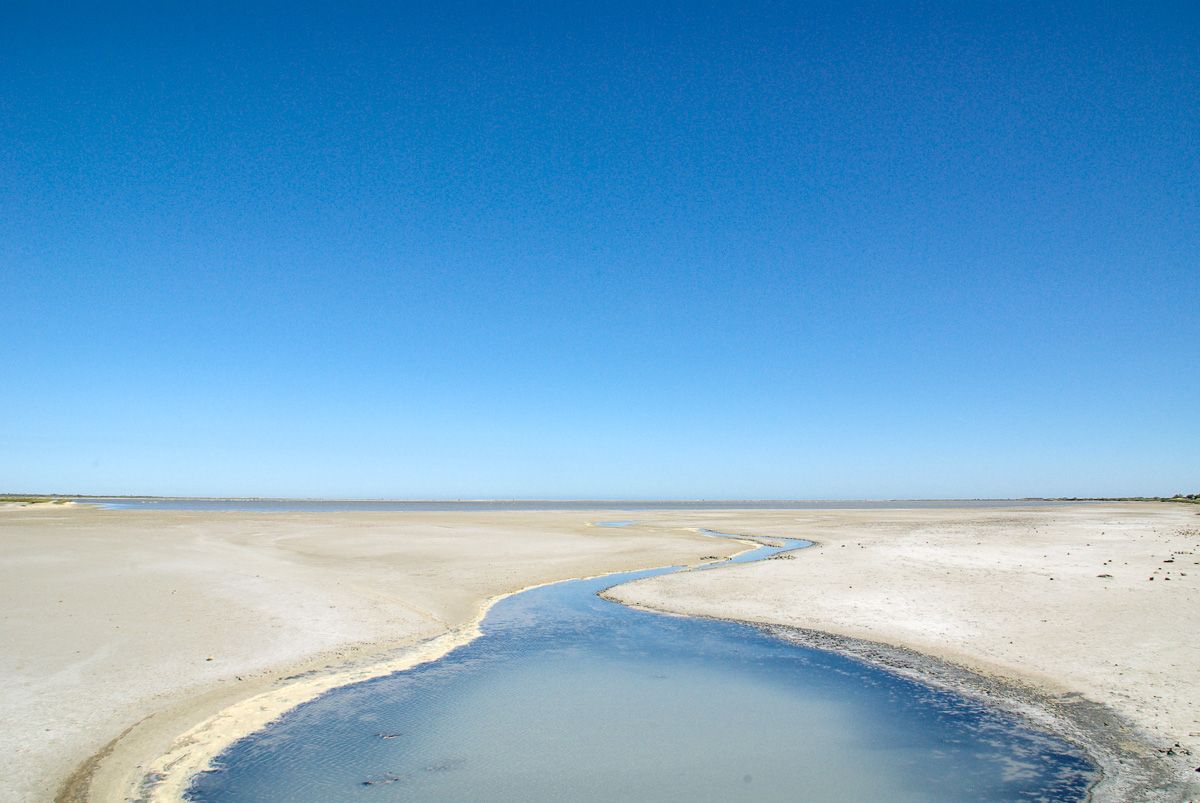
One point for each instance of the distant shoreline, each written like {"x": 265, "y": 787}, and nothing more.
{"x": 599, "y": 506}
{"x": 598, "y": 503}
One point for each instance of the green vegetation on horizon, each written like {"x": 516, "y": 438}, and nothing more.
{"x": 30, "y": 499}
{"x": 1193, "y": 499}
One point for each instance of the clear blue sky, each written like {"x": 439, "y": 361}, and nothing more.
{"x": 544, "y": 250}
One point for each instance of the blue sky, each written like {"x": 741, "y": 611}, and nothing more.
{"x": 687, "y": 251}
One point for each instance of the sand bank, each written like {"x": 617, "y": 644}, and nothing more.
{"x": 125, "y": 629}
{"x": 1058, "y": 600}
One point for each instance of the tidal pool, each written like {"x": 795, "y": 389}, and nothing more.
{"x": 567, "y": 696}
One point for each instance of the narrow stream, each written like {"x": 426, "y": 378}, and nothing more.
{"x": 567, "y": 696}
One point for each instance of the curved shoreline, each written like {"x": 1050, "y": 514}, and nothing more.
{"x": 1108, "y": 739}
{"x": 1129, "y": 768}
{"x": 1060, "y": 602}
{"x": 166, "y": 777}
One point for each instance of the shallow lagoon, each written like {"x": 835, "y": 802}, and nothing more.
{"x": 569, "y": 696}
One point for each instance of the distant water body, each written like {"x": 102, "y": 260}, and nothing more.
{"x": 334, "y": 505}
{"x": 567, "y": 696}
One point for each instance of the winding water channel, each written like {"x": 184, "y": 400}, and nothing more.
{"x": 567, "y": 696}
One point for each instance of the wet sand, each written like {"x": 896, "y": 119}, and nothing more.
{"x": 124, "y": 630}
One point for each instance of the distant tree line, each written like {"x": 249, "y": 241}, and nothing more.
{"x": 1192, "y": 498}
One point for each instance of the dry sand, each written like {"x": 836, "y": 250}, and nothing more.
{"x": 110, "y": 617}
{"x": 146, "y": 624}
{"x": 1060, "y": 598}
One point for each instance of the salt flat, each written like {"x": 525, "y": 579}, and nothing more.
{"x": 1101, "y": 600}
{"x": 149, "y": 624}
{"x": 160, "y": 619}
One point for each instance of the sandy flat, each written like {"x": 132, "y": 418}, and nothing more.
{"x": 181, "y": 630}
{"x": 161, "y": 619}
{"x": 1059, "y": 597}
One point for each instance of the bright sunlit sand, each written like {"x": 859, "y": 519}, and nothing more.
{"x": 164, "y": 622}
{"x": 111, "y": 617}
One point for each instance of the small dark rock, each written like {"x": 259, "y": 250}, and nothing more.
{"x": 382, "y": 780}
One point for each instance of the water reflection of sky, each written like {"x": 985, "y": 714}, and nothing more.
{"x": 568, "y": 696}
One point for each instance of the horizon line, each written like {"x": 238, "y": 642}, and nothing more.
{"x": 486, "y": 500}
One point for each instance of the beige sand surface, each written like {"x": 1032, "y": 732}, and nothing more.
{"x": 159, "y": 620}
{"x": 1015, "y": 593}
{"x": 109, "y": 618}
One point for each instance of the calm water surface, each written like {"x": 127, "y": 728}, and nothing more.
{"x": 569, "y": 697}
{"x": 334, "y": 505}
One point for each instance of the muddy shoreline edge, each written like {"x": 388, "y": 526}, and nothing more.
{"x": 1129, "y": 766}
